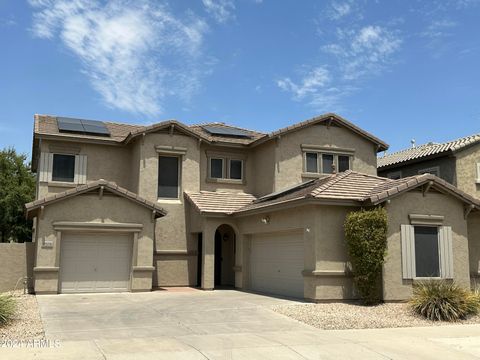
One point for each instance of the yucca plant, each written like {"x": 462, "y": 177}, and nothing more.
{"x": 444, "y": 301}
{"x": 7, "y": 308}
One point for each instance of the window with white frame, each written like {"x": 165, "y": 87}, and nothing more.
{"x": 427, "y": 251}
{"x": 325, "y": 163}
{"x": 168, "y": 177}
{"x": 62, "y": 167}
{"x": 432, "y": 170}
{"x": 225, "y": 168}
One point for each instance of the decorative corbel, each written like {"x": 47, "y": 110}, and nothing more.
{"x": 468, "y": 210}
{"x": 427, "y": 187}
{"x": 100, "y": 193}
{"x": 42, "y": 211}
{"x": 199, "y": 143}
{"x": 143, "y": 139}
{"x": 171, "y": 129}
{"x": 329, "y": 122}
{"x": 154, "y": 212}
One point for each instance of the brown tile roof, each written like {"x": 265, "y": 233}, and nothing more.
{"x": 326, "y": 118}
{"x": 357, "y": 187}
{"x": 426, "y": 150}
{"x": 218, "y": 202}
{"x": 81, "y": 189}
{"x": 254, "y": 135}
{"x": 46, "y": 125}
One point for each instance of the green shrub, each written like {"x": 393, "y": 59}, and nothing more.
{"x": 366, "y": 235}
{"x": 7, "y": 308}
{"x": 444, "y": 301}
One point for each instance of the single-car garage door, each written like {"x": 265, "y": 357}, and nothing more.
{"x": 276, "y": 264}
{"x": 95, "y": 263}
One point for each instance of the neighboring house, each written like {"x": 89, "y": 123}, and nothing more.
{"x": 457, "y": 162}
{"x": 130, "y": 208}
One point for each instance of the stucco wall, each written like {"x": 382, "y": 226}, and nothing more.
{"x": 394, "y": 286}
{"x": 289, "y": 155}
{"x": 103, "y": 162}
{"x": 474, "y": 247}
{"x": 88, "y": 209}
{"x": 467, "y": 170}
{"x": 177, "y": 267}
{"x": 446, "y": 164}
{"x": 16, "y": 263}
{"x": 264, "y": 167}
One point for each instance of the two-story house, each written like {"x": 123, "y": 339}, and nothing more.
{"x": 130, "y": 208}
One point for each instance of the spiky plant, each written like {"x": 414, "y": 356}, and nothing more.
{"x": 7, "y": 308}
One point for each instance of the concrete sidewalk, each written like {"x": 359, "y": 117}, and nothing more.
{"x": 221, "y": 325}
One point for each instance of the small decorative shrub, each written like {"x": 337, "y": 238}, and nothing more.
{"x": 366, "y": 235}
{"x": 444, "y": 301}
{"x": 7, "y": 308}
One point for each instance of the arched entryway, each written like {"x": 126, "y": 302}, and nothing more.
{"x": 224, "y": 256}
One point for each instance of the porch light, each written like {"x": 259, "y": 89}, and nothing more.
{"x": 266, "y": 219}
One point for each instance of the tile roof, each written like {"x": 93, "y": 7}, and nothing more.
{"x": 218, "y": 202}
{"x": 426, "y": 150}
{"x": 92, "y": 185}
{"x": 123, "y": 133}
{"x": 353, "y": 186}
{"x": 254, "y": 135}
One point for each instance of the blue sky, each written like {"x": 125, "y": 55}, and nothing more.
{"x": 399, "y": 69}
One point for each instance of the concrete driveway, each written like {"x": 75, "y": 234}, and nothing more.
{"x": 224, "y": 324}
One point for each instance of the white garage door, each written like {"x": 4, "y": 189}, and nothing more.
{"x": 95, "y": 263}
{"x": 276, "y": 264}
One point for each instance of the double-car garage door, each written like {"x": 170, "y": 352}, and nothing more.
{"x": 95, "y": 263}
{"x": 276, "y": 264}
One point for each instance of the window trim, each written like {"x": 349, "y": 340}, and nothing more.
{"x": 179, "y": 178}
{"x": 229, "y": 169}
{"x": 75, "y": 166}
{"x": 427, "y": 171}
{"x": 477, "y": 180}
{"x": 320, "y": 154}
{"x": 226, "y": 158}
{"x": 439, "y": 250}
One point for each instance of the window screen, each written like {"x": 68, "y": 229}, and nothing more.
{"x": 168, "y": 177}
{"x": 63, "y": 167}
{"x": 216, "y": 168}
{"x": 426, "y": 252}
{"x": 312, "y": 163}
{"x": 327, "y": 164}
{"x": 343, "y": 163}
{"x": 236, "y": 169}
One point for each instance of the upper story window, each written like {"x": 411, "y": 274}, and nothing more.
{"x": 168, "y": 177}
{"x": 63, "y": 168}
{"x": 225, "y": 168}
{"x": 433, "y": 170}
{"x": 325, "y": 163}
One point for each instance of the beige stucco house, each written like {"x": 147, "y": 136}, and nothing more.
{"x": 133, "y": 208}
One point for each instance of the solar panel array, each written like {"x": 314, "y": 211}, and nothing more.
{"x": 217, "y": 130}
{"x": 81, "y": 126}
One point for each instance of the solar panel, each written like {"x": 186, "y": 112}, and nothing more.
{"x": 70, "y": 125}
{"x": 82, "y": 126}
{"x": 95, "y": 127}
{"x": 217, "y": 130}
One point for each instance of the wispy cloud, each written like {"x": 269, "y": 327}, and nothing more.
{"x": 221, "y": 10}
{"x": 339, "y": 9}
{"x": 439, "y": 29}
{"x": 135, "y": 54}
{"x": 355, "y": 55}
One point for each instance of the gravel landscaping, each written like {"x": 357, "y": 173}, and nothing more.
{"x": 340, "y": 316}
{"x": 27, "y": 323}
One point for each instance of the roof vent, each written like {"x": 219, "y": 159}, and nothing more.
{"x": 413, "y": 142}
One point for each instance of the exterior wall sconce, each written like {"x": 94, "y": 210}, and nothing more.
{"x": 266, "y": 219}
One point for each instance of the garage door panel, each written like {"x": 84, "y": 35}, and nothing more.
{"x": 276, "y": 264}
{"x": 95, "y": 263}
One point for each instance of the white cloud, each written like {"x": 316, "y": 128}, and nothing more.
{"x": 439, "y": 29}
{"x": 355, "y": 55}
{"x": 134, "y": 54}
{"x": 338, "y": 9}
{"x": 364, "y": 51}
{"x": 221, "y": 10}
